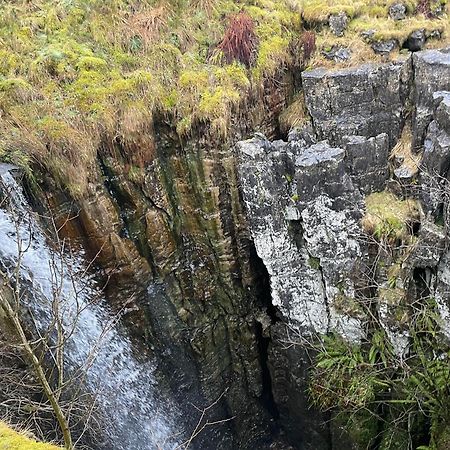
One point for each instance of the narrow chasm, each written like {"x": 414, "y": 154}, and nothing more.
{"x": 263, "y": 334}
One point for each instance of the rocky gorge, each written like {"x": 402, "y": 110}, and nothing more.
{"x": 234, "y": 255}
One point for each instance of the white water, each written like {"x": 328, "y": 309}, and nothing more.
{"x": 137, "y": 417}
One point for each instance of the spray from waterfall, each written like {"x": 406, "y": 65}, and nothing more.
{"x": 139, "y": 416}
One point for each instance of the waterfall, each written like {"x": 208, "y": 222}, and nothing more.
{"x": 138, "y": 415}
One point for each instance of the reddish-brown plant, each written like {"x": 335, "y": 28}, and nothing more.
{"x": 240, "y": 42}
{"x": 424, "y": 8}
{"x": 308, "y": 44}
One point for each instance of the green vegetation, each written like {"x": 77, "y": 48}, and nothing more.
{"x": 13, "y": 440}
{"x": 75, "y": 73}
{"x": 389, "y": 218}
{"x": 79, "y": 75}
{"x": 407, "y": 398}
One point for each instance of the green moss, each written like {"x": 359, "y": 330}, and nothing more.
{"x": 12, "y": 440}
{"x": 314, "y": 262}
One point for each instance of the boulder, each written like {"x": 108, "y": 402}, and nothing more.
{"x": 397, "y": 11}
{"x": 337, "y": 54}
{"x": 416, "y": 40}
{"x": 384, "y": 47}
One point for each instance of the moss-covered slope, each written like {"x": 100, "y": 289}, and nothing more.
{"x": 13, "y": 440}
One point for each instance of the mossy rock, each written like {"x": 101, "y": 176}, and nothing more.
{"x": 13, "y": 440}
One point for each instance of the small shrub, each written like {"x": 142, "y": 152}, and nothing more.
{"x": 240, "y": 42}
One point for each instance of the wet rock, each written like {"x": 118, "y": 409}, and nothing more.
{"x": 338, "y": 54}
{"x": 365, "y": 101}
{"x": 397, "y": 11}
{"x": 338, "y": 23}
{"x": 384, "y": 47}
{"x": 416, "y": 40}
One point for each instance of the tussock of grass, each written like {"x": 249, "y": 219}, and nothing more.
{"x": 386, "y": 28}
{"x": 389, "y": 218}
{"x": 295, "y": 115}
{"x": 13, "y": 440}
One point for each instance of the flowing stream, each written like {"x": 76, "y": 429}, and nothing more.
{"x": 139, "y": 416}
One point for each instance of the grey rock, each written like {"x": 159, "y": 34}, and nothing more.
{"x": 368, "y": 35}
{"x": 315, "y": 215}
{"x": 416, "y": 40}
{"x": 430, "y": 246}
{"x": 404, "y": 174}
{"x": 384, "y": 47}
{"x": 435, "y": 162}
{"x": 338, "y": 23}
{"x": 338, "y": 54}
{"x": 302, "y": 137}
{"x": 431, "y": 74}
{"x": 397, "y": 11}
{"x": 366, "y": 101}
{"x": 435, "y": 34}
{"x": 367, "y": 161}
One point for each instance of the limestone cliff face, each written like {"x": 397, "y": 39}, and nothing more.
{"x": 306, "y": 200}
{"x": 225, "y": 254}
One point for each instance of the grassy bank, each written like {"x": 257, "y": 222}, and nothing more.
{"x": 13, "y": 440}
{"x": 76, "y": 72}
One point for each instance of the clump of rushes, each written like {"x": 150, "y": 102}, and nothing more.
{"x": 240, "y": 42}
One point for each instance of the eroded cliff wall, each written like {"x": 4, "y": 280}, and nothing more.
{"x": 319, "y": 209}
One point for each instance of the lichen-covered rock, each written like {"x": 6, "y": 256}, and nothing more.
{"x": 435, "y": 162}
{"x": 338, "y": 23}
{"x": 303, "y": 212}
{"x": 337, "y": 54}
{"x": 384, "y": 47}
{"x": 365, "y": 101}
{"x": 397, "y": 11}
{"x": 431, "y": 74}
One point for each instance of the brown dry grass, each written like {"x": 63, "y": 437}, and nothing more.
{"x": 148, "y": 25}
{"x": 403, "y": 151}
{"x": 240, "y": 42}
